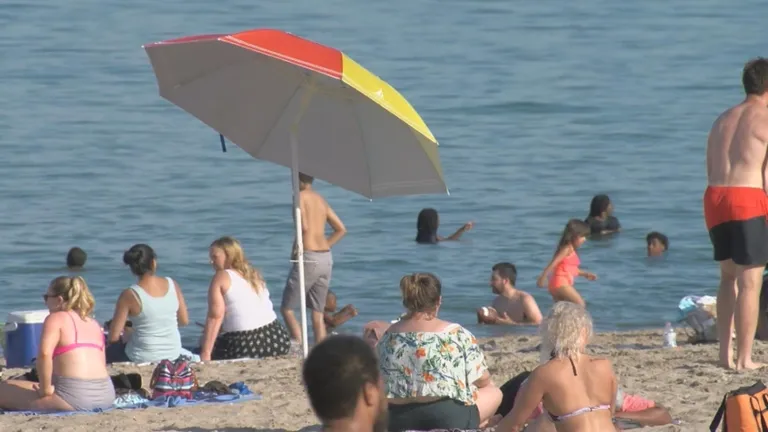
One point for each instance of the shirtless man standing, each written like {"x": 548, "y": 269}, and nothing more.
{"x": 736, "y": 210}
{"x": 511, "y": 306}
{"x": 315, "y": 213}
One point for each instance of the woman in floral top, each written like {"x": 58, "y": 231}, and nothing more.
{"x": 434, "y": 372}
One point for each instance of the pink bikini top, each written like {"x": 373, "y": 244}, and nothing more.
{"x": 569, "y": 265}
{"x": 67, "y": 348}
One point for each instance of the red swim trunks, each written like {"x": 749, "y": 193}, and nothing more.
{"x": 737, "y": 220}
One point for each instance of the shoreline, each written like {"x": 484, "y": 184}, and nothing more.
{"x": 686, "y": 380}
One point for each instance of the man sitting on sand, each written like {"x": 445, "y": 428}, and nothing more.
{"x": 76, "y": 258}
{"x": 511, "y": 306}
{"x": 657, "y": 244}
{"x": 335, "y": 319}
{"x": 341, "y": 375}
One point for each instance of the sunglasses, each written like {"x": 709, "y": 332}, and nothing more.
{"x": 48, "y": 296}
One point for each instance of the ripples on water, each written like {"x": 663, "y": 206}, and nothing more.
{"x": 537, "y": 107}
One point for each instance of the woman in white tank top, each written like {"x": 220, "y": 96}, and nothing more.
{"x": 241, "y": 321}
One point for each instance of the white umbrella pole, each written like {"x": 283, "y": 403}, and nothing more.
{"x": 299, "y": 238}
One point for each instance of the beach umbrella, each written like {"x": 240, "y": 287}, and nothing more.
{"x": 303, "y": 105}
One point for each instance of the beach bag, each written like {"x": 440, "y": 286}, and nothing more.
{"x": 701, "y": 316}
{"x": 173, "y": 378}
{"x": 743, "y": 410}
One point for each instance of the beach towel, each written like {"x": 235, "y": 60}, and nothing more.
{"x": 240, "y": 393}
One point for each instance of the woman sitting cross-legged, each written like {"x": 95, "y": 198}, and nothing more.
{"x": 578, "y": 392}
{"x": 434, "y": 372}
{"x": 241, "y": 320}
{"x": 70, "y": 361}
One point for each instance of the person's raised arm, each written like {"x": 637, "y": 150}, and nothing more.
{"x": 457, "y": 235}
{"x": 559, "y": 256}
{"x": 338, "y": 227}
{"x": 526, "y": 401}
{"x": 122, "y": 309}
{"x": 182, "y": 315}
{"x": 216, "y": 310}
{"x": 44, "y": 362}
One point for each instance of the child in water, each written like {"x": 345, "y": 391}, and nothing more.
{"x": 564, "y": 266}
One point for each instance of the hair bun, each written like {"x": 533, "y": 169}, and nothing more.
{"x": 132, "y": 256}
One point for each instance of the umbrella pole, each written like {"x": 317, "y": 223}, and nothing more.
{"x": 299, "y": 238}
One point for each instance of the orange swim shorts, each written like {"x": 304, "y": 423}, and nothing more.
{"x": 737, "y": 223}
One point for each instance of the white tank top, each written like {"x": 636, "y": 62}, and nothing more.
{"x": 245, "y": 308}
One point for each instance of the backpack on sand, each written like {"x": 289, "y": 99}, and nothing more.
{"x": 743, "y": 410}
{"x": 173, "y": 378}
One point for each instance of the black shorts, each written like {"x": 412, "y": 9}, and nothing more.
{"x": 442, "y": 414}
{"x": 745, "y": 242}
{"x": 737, "y": 224}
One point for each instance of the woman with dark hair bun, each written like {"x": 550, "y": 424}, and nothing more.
{"x": 156, "y": 307}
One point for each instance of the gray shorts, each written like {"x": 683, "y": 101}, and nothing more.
{"x": 317, "y": 281}
{"x": 84, "y": 394}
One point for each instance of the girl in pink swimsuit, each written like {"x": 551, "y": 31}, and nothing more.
{"x": 564, "y": 267}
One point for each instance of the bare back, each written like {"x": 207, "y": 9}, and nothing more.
{"x": 85, "y": 362}
{"x": 593, "y": 384}
{"x": 315, "y": 214}
{"x": 736, "y": 147}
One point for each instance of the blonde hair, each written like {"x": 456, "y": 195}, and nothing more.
{"x": 75, "y": 293}
{"x": 567, "y": 327}
{"x": 421, "y": 292}
{"x": 238, "y": 262}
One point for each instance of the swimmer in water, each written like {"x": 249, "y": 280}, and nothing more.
{"x": 601, "y": 220}
{"x": 657, "y": 244}
{"x": 426, "y": 228}
{"x": 76, "y": 258}
{"x": 335, "y": 319}
{"x": 564, "y": 266}
{"x": 511, "y": 306}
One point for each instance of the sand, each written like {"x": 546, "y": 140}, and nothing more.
{"x": 685, "y": 379}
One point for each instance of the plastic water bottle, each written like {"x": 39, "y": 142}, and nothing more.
{"x": 670, "y": 337}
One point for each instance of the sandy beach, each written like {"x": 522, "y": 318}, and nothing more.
{"x": 686, "y": 380}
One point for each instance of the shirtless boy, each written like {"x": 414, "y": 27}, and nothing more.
{"x": 511, "y": 306}
{"x": 735, "y": 210}
{"x": 318, "y": 262}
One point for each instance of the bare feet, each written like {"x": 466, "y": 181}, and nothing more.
{"x": 749, "y": 365}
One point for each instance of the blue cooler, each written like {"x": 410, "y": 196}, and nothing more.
{"x": 23, "y": 330}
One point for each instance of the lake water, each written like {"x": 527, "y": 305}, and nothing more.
{"x": 537, "y": 106}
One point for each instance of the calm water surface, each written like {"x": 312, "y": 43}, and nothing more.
{"x": 537, "y": 106}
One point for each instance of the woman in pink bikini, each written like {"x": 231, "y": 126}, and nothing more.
{"x": 564, "y": 266}
{"x": 70, "y": 361}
